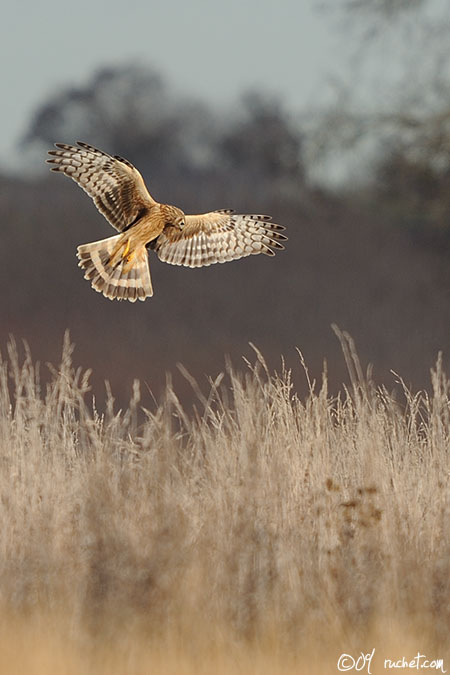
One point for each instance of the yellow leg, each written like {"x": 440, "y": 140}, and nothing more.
{"x": 129, "y": 263}
{"x": 127, "y": 248}
{"x": 117, "y": 255}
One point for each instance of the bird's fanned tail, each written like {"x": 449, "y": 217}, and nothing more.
{"x": 114, "y": 273}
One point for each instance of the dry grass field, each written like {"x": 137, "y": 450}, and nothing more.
{"x": 254, "y": 533}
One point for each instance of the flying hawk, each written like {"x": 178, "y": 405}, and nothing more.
{"x": 118, "y": 266}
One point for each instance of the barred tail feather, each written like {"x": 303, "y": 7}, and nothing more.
{"x": 121, "y": 279}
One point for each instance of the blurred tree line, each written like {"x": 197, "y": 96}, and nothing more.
{"x": 369, "y": 253}
{"x": 395, "y": 100}
{"x": 131, "y": 112}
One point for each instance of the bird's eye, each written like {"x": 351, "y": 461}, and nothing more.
{"x": 181, "y": 223}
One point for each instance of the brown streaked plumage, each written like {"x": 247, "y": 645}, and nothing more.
{"x": 118, "y": 266}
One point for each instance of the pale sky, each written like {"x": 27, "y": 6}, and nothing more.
{"x": 214, "y": 49}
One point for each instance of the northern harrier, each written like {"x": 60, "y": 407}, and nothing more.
{"x": 118, "y": 266}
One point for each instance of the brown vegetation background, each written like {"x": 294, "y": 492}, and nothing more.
{"x": 262, "y": 534}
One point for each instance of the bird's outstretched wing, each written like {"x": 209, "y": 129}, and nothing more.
{"x": 115, "y": 185}
{"x": 217, "y": 237}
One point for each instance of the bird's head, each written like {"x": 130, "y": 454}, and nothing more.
{"x": 173, "y": 216}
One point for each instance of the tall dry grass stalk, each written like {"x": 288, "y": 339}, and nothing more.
{"x": 257, "y": 533}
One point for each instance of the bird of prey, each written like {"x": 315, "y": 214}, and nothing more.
{"x": 118, "y": 266}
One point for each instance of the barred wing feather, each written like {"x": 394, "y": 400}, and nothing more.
{"x": 115, "y": 185}
{"x": 218, "y": 237}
